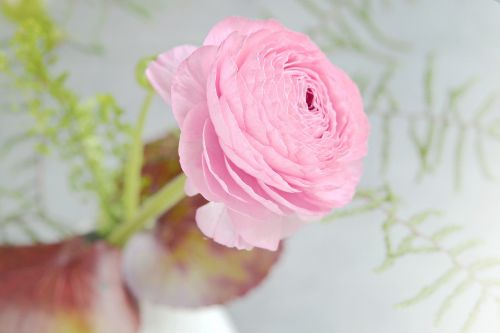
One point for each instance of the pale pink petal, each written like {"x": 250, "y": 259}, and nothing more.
{"x": 236, "y": 146}
{"x": 190, "y": 81}
{"x": 293, "y": 223}
{"x": 162, "y": 70}
{"x": 264, "y": 233}
{"x": 349, "y": 103}
{"x": 214, "y": 158}
{"x": 244, "y": 26}
{"x": 220, "y": 182}
{"x": 189, "y": 188}
{"x": 214, "y": 221}
{"x": 249, "y": 185}
{"x": 296, "y": 202}
{"x": 191, "y": 151}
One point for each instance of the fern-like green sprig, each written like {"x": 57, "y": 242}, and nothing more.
{"x": 103, "y": 152}
{"x": 430, "y": 130}
{"x": 462, "y": 274}
{"x": 88, "y": 133}
{"x": 349, "y": 26}
{"x": 340, "y": 25}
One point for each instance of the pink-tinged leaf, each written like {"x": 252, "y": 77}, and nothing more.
{"x": 175, "y": 264}
{"x": 161, "y": 162}
{"x": 74, "y": 286}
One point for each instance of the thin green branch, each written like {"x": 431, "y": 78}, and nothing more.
{"x": 153, "y": 207}
{"x": 132, "y": 180}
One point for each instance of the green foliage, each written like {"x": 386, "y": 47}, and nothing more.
{"x": 24, "y": 49}
{"x": 88, "y": 133}
{"x": 468, "y": 272}
{"x": 432, "y": 288}
{"x": 431, "y": 132}
{"x": 140, "y": 72}
{"x": 349, "y": 26}
{"x": 338, "y": 29}
{"x": 431, "y": 143}
{"x": 341, "y": 25}
{"x": 27, "y": 212}
{"x": 414, "y": 236}
{"x": 33, "y": 14}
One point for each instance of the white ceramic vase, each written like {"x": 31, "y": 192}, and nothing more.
{"x": 159, "y": 319}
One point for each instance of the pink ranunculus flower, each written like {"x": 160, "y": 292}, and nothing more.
{"x": 272, "y": 133}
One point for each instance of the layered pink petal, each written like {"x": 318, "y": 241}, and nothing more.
{"x": 271, "y": 131}
{"x": 229, "y": 188}
{"x": 214, "y": 221}
{"x": 232, "y": 139}
{"x": 242, "y": 25}
{"x": 162, "y": 70}
{"x": 264, "y": 233}
{"x": 191, "y": 152}
{"x": 190, "y": 81}
{"x": 235, "y": 229}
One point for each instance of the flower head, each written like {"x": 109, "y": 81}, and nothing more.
{"x": 272, "y": 133}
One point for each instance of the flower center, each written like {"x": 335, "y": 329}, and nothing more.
{"x": 310, "y": 99}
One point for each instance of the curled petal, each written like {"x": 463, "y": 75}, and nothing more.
{"x": 161, "y": 71}
{"x": 214, "y": 221}
{"x": 242, "y": 231}
{"x": 265, "y": 233}
{"x": 189, "y": 84}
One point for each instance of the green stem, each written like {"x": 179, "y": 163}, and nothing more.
{"x": 132, "y": 185}
{"x": 167, "y": 197}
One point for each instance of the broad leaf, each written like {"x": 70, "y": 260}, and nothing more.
{"x": 74, "y": 286}
{"x": 174, "y": 264}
